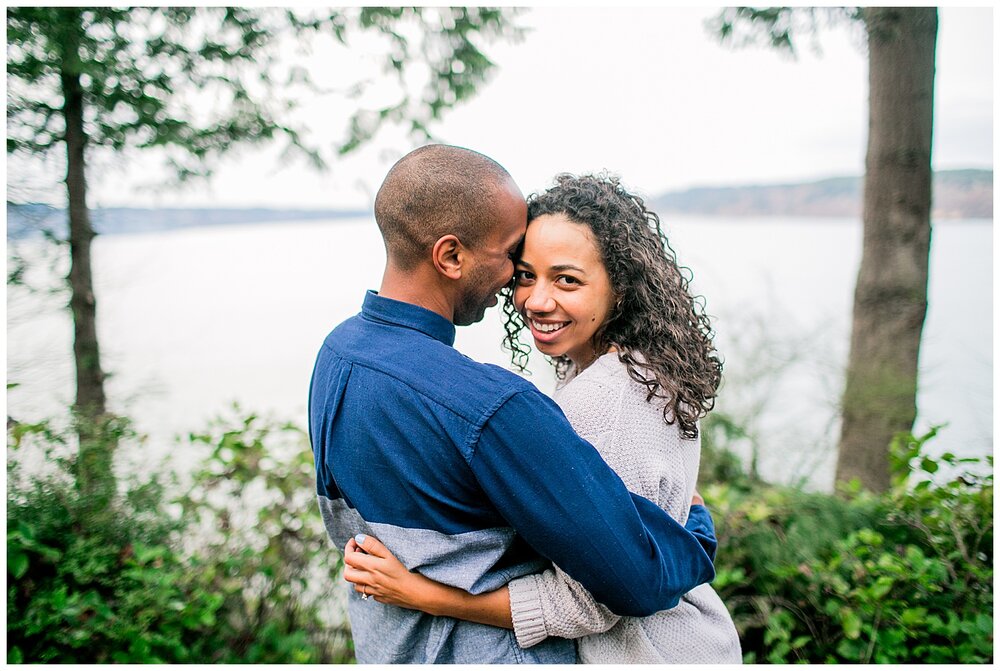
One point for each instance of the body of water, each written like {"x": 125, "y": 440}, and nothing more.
{"x": 193, "y": 320}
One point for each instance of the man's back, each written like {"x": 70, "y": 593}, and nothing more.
{"x": 393, "y": 413}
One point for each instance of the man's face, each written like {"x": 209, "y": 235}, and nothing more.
{"x": 491, "y": 265}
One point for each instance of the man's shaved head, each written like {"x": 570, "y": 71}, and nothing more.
{"x": 434, "y": 191}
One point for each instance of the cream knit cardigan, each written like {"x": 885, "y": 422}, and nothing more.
{"x": 609, "y": 409}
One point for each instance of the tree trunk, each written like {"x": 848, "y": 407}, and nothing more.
{"x": 94, "y": 470}
{"x": 890, "y": 299}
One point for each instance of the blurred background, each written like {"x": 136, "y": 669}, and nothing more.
{"x": 219, "y": 290}
{"x": 194, "y": 316}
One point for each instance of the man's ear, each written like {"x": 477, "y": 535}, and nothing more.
{"x": 448, "y": 256}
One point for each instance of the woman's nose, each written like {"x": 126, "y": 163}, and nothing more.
{"x": 540, "y": 299}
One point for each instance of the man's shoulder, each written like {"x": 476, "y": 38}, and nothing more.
{"x": 424, "y": 365}
{"x": 492, "y": 375}
{"x": 457, "y": 380}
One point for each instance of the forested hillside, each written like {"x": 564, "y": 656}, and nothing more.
{"x": 958, "y": 194}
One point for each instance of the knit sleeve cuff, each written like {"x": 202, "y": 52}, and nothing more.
{"x": 526, "y": 611}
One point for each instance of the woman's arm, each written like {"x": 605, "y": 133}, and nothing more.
{"x": 553, "y": 604}
{"x": 567, "y": 609}
{"x": 375, "y": 571}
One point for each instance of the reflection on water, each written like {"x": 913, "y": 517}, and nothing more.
{"x": 193, "y": 320}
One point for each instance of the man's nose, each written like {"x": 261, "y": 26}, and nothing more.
{"x": 540, "y": 299}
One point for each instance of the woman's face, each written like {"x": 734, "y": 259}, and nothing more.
{"x": 562, "y": 288}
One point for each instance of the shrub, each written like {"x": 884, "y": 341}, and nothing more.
{"x": 138, "y": 583}
{"x": 255, "y": 506}
{"x": 855, "y": 578}
{"x": 243, "y": 573}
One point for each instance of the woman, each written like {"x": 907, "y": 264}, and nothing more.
{"x": 599, "y": 288}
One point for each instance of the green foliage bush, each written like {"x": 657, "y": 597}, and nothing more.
{"x": 237, "y": 569}
{"x": 905, "y": 576}
{"x": 242, "y": 574}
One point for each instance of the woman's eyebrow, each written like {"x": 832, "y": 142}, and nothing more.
{"x": 556, "y": 269}
{"x": 567, "y": 266}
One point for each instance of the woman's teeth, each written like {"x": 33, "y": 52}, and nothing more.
{"x": 547, "y": 328}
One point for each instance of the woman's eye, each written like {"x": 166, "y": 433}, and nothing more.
{"x": 567, "y": 279}
{"x": 521, "y": 276}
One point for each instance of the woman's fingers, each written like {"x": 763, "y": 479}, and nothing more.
{"x": 362, "y": 581}
{"x": 360, "y": 560}
{"x": 355, "y": 576}
{"x": 360, "y": 567}
{"x": 362, "y": 545}
{"x": 367, "y": 563}
{"x": 356, "y": 559}
{"x": 371, "y": 545}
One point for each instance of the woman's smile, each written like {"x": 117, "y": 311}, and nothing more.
{"x": 546, "y": 328}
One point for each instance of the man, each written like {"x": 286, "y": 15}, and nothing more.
{"x": 465, "y": 471}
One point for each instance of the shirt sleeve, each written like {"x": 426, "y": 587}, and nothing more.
{"x": 553, "y": 604}
{"x": 554, "y": 489}
{"x": 700, "y": 524}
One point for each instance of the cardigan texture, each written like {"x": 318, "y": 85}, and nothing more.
{"x": 609, "y": 409}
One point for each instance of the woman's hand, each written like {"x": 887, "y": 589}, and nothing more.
{"x": 376, "y": 572}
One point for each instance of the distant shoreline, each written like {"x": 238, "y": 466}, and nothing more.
{"x": 30, "y": 219}
{"x": 958, "y": 195}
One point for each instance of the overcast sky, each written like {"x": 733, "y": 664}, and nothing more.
{"x": 643, "y": 92}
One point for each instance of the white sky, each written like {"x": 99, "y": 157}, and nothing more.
{"x": 645, "y": 92}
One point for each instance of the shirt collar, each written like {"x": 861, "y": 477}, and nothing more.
{"x": 391, "y": 311}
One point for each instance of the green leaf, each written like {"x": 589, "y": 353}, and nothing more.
{"x": 870, "y": 537}
{"x": 889, "y": 642}
{"x": 915, "y": 557}
{"x": 882, "y": 587}
{"x": 26, "y": 530}
{"x": 851, "y": 623}
{"x": 17, "y": 564}
{"x": 145, "y": 554}
{"x": 849, "y": 650}
{"x": 58, "y": 598}
{"x": 913, "y": 616}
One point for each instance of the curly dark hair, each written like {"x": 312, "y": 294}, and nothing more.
{"x": 661, "y": 331}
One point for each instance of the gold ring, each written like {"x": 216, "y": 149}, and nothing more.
{"x": 364, "y": 591}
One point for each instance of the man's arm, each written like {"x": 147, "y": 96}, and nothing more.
{"x": 700, "y": 524}
{"x": 554, "y": 489}
{"x": 553, "y": 604}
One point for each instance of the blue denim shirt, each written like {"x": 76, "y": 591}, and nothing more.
{"x": 471, "y": 476}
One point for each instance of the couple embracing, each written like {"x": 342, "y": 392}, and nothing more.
{"x": 481, "y": 521}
